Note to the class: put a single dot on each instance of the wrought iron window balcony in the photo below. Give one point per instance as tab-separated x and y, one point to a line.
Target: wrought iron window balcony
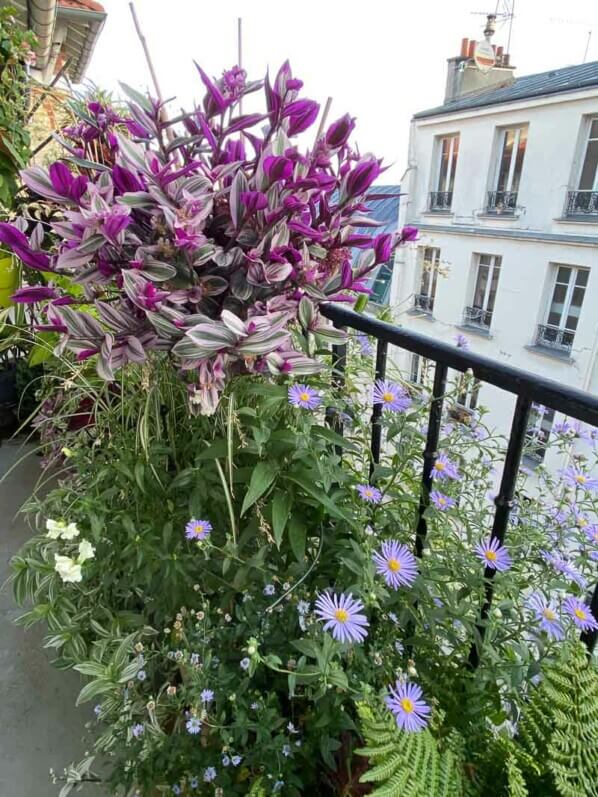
528	388
582	203
441	201
477	317
501	202
549	337
423	303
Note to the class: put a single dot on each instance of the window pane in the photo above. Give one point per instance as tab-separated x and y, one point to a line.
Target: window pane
454	163
444	164
589	172
480	288
594	129
505	160
563	275
493	287
582	277
519	160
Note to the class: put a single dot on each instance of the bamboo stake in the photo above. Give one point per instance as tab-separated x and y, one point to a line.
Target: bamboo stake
150	63
323	120
240	55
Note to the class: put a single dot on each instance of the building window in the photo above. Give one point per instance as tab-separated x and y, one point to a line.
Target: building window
538	432
479	314
430	261
503	199
448	152
584	201
421	370
564	309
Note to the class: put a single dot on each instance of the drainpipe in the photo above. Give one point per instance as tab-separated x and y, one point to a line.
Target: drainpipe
41	17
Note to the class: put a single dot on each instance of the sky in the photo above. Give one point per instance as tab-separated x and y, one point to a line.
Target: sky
380	60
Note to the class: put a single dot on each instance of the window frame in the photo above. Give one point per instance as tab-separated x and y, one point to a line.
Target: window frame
452	161
502	134
589	122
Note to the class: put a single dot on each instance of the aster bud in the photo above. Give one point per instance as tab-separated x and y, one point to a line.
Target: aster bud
171	691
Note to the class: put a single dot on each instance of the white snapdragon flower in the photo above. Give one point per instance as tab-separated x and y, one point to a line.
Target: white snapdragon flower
58	529
86	551
68	570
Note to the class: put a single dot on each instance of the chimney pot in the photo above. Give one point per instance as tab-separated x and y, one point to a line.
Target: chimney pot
471	49
464	47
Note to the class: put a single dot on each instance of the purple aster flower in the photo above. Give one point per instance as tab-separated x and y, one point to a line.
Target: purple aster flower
207	696
391	396
406	704
141	675
591	532
176	789
97	710
286	750
546	615
197	529
575	477
269	589
209	774
443	468
194	782
396	563
138	729
236	759
493	555
440	501
365	346
461	342
370	494
225	761
303	396
244	663
565	568
343	615
193	726
581	614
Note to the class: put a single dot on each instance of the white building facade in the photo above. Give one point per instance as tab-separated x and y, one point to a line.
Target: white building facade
502	183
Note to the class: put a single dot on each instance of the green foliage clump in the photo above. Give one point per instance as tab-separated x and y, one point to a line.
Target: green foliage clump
410	764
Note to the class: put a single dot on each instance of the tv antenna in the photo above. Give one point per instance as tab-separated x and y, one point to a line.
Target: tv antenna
505	12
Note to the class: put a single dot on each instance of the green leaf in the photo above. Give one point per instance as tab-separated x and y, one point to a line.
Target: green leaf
93	688
297	537
320	496
262	477
333	437
281	507
93	668
137	97
217	450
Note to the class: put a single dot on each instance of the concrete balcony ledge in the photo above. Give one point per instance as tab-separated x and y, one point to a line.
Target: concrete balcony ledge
483	333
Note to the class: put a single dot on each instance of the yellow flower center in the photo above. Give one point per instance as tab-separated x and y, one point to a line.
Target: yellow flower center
388	397
582	522
440	466
580	614
341	615
199	529
369	493
442	501
490	556
304	396
580	478
394	565
549	614
407	705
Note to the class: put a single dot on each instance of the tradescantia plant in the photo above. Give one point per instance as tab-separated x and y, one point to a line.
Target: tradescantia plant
215	243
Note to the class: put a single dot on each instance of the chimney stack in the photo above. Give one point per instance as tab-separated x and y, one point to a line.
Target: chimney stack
464	75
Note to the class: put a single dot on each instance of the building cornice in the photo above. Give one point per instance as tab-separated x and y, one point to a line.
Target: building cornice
517	235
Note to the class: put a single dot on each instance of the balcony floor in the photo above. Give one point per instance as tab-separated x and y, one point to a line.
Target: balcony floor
40	728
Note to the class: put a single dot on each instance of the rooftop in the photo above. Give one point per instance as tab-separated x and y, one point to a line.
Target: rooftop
556	81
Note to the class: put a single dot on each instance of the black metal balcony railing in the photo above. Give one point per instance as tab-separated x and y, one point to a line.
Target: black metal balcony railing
423	302
527	387
477	317
582	203
554	338
502	202
441	200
